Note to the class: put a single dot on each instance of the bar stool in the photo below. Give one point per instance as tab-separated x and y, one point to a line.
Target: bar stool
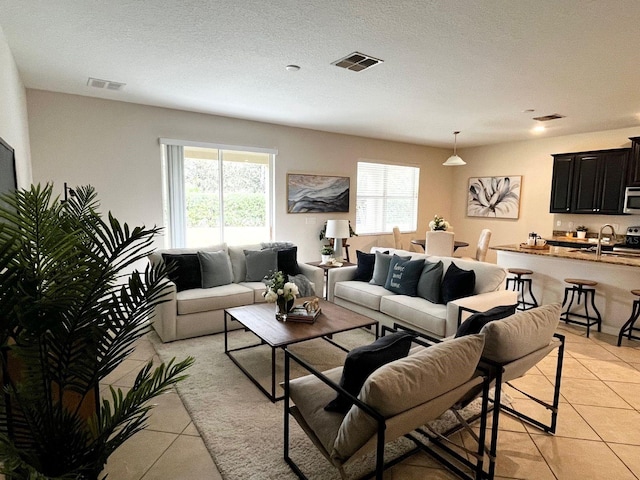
518	285
581	287
629	327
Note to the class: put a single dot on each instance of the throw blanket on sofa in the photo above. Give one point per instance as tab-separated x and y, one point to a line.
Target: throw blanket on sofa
304	285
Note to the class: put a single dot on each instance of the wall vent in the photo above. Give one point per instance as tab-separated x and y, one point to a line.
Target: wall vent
356	62
546	118
107	84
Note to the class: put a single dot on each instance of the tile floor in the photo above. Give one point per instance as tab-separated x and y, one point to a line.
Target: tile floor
598	433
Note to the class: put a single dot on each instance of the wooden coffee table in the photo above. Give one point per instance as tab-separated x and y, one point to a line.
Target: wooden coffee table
260	319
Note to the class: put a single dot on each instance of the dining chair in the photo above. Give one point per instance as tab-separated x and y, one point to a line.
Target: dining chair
397	238
483	246
439	243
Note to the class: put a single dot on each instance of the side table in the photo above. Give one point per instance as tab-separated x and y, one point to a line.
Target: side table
326	269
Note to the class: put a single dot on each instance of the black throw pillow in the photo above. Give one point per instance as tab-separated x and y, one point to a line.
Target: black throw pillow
288	261
364	269
186	273
457	283
363	361
475	322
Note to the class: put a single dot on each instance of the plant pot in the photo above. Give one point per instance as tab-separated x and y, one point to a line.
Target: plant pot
581	234
282	308
326	258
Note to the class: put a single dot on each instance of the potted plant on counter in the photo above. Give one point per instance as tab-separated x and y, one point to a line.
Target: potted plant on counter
581	231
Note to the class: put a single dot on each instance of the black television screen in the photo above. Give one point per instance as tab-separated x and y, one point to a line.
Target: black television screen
8	180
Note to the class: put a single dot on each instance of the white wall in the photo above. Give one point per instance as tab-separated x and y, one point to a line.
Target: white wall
114	146
13	113
531	159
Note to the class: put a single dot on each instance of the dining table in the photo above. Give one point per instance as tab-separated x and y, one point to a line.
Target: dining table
456	243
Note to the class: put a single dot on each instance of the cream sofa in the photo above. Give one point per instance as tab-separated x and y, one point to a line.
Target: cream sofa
200	311
437	320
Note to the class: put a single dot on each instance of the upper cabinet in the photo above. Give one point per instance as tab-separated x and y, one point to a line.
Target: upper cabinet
633	180
561	184
589	182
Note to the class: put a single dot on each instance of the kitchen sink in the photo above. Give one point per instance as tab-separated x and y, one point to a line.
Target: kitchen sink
607	253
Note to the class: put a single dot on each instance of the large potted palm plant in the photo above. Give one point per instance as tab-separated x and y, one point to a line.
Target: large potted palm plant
72	305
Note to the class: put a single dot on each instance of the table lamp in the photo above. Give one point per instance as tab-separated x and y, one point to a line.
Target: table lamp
337	229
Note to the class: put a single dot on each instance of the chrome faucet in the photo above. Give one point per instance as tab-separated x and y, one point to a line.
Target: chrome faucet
599	247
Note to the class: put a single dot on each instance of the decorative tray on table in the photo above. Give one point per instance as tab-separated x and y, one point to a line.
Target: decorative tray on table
534	247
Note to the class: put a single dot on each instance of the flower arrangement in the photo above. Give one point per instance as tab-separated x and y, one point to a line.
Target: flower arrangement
439	223
279	289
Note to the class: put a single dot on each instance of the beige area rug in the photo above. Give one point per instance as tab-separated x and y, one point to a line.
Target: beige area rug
241	428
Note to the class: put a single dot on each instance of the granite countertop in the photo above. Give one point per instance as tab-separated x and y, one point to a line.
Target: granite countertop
572	254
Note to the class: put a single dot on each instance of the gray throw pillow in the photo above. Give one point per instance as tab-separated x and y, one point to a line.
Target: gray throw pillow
430	280
404	275
260	263
216	268
381	268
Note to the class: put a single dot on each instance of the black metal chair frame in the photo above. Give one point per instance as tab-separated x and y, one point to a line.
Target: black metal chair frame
496	375
629	327
587	320
475	467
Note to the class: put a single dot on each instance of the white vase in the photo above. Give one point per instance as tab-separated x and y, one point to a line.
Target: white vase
581	234
326	258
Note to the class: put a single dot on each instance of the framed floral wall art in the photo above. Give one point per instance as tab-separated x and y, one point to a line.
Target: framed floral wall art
317	193
496	197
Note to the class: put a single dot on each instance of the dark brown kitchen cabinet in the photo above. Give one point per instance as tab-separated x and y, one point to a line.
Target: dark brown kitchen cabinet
562	183
633	179
589	182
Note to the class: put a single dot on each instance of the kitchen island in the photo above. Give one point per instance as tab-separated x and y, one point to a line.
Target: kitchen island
616	276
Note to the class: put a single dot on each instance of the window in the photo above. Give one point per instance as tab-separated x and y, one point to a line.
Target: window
216	195
387	196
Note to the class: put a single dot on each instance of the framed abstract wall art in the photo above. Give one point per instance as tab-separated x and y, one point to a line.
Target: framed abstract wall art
495	197
317	193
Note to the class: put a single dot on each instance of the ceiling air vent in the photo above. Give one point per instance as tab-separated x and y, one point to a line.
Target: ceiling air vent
109	85
357	62
546	118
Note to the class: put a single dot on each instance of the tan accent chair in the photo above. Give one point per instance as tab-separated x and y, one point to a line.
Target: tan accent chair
395	400
513	346
397	238
439	243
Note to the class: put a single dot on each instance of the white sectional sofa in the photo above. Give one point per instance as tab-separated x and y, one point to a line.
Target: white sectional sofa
200	311
415	312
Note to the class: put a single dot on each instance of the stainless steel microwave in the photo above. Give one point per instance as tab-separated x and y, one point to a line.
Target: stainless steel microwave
632	200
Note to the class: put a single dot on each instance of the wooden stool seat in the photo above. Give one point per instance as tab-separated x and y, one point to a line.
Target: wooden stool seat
580	287
579	281
520	271
629	327
522	286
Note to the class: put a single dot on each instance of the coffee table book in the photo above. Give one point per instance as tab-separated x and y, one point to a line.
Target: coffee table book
300	314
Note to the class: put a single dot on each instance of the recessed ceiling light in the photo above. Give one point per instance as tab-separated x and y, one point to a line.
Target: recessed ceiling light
292	68
538	129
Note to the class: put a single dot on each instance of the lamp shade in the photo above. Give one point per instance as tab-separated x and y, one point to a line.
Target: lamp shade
454	161
337	229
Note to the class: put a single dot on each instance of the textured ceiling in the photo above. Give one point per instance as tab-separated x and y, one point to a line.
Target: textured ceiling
465	65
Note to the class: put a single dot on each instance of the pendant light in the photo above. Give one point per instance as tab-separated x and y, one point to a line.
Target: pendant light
454	160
